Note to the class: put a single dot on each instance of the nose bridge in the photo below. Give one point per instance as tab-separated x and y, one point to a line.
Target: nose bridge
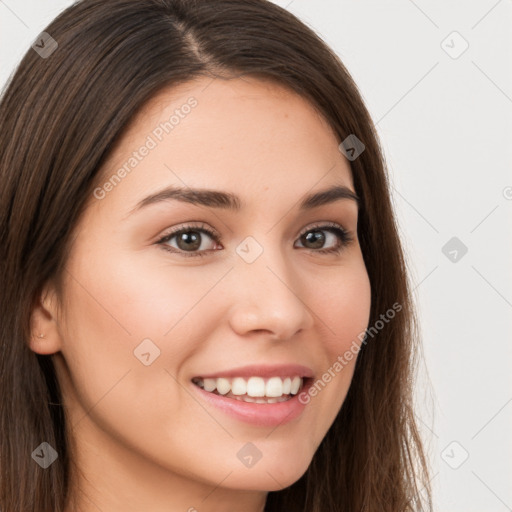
268	291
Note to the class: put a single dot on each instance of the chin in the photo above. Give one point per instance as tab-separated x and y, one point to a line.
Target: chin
272	477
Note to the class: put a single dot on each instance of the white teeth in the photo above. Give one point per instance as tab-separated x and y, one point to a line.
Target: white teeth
295	385
254	388
274	387
261	400
238	386
223	386
287	386
210	384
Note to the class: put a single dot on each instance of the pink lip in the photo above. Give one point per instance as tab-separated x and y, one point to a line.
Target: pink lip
281	370
263	415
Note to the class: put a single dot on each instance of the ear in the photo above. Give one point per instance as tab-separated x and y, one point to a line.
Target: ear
44	333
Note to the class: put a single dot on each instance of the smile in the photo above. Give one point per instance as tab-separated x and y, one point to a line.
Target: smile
253	389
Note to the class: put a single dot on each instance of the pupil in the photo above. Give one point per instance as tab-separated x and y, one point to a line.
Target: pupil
191	240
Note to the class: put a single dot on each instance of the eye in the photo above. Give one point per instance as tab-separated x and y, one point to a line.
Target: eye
315	237
189	239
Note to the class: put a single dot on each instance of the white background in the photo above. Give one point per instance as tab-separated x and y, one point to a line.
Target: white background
445	125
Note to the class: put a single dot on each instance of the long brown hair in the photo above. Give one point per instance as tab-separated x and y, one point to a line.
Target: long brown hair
60	117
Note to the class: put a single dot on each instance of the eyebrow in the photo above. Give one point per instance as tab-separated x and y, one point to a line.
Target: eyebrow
229	201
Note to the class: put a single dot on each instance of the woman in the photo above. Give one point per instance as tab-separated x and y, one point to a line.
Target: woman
205	303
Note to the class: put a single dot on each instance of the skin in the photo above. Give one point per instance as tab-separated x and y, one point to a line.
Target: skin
142	441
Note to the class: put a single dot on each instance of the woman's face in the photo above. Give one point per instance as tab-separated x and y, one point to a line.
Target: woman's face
144	312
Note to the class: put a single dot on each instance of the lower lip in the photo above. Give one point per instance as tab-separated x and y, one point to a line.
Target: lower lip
263	415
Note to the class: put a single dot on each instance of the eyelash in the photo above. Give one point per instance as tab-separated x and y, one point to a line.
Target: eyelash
344	235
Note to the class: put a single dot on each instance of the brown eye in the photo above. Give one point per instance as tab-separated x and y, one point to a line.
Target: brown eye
190	241
313	239
317	237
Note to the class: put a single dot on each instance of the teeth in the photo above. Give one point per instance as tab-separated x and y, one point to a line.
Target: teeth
210	384
274	387
287	386
223	386
239	386
296	382
254	388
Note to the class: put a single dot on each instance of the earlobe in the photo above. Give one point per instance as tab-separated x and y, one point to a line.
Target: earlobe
44	333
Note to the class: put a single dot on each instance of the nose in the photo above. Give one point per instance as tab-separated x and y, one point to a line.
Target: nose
269	297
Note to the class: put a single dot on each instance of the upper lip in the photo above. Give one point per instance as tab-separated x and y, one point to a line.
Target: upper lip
276	370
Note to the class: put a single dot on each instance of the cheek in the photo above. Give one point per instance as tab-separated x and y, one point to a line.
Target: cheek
107	385
136	297
343	313
143	407
120	315
343	309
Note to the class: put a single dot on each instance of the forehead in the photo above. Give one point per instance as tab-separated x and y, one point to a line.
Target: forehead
245	134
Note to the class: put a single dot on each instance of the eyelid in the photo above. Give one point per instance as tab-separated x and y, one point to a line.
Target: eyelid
189	226
323	225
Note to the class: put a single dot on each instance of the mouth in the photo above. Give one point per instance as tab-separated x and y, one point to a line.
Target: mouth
254	389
